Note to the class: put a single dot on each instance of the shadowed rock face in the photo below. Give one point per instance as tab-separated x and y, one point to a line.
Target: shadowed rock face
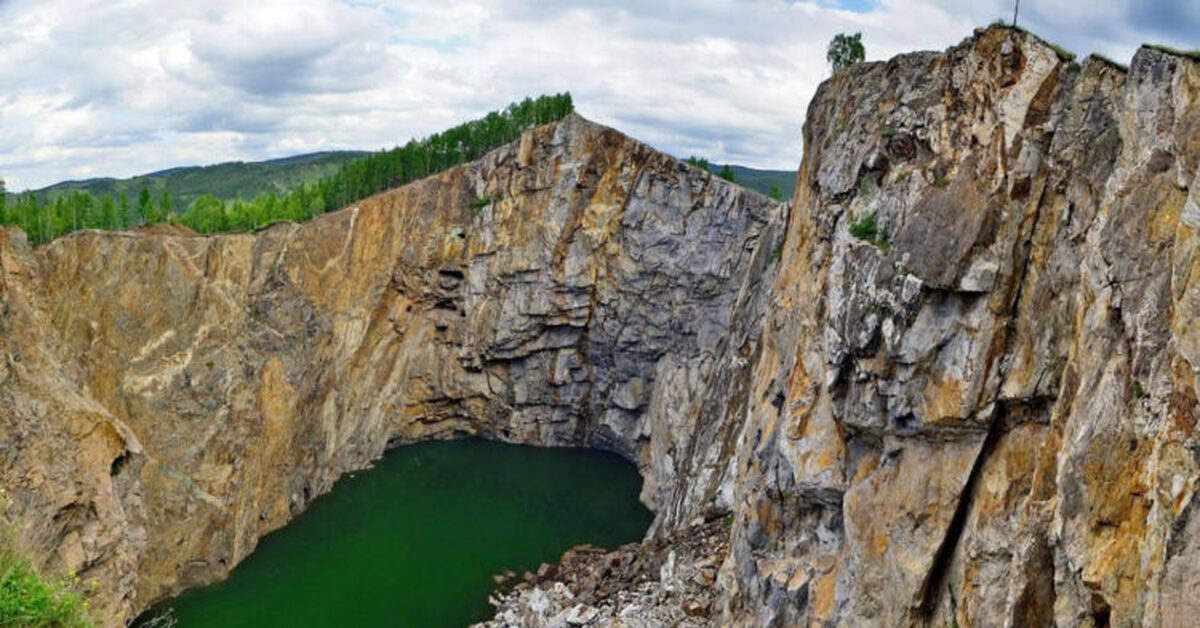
981	414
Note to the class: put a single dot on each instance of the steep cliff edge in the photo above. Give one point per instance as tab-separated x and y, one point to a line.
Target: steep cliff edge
973	400
170	399
955	384
990	418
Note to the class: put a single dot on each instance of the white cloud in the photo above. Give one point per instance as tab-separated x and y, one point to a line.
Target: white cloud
105	87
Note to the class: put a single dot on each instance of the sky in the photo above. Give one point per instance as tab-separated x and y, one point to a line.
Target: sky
93	88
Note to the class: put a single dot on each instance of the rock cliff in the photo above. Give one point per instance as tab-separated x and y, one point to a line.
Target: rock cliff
953	384
168	399
972	401
984	413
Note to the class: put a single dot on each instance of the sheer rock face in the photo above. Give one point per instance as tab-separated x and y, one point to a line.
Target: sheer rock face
988	419
981	412
169	400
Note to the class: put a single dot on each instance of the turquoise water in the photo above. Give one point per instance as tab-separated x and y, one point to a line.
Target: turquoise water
415	540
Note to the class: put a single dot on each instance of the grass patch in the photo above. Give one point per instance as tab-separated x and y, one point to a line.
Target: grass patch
28	600
1063	53
480	202
903	177
941	181
868	229
1138	391
1190	54
1120	66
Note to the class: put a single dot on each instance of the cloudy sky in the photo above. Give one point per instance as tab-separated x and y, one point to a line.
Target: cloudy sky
121	87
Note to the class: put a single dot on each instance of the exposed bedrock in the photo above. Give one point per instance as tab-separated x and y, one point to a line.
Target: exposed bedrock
953	384
168	399
987	409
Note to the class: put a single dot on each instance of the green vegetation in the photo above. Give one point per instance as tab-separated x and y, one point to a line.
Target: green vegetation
226	181
1138	391
845	50
941	181
47	217
1191	54
1063	53
867	228
766	181
480	202
777	184
29	601
727	173
1119	66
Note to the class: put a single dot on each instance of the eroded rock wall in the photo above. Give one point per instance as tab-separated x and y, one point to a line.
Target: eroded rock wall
988	401
973	398
172	398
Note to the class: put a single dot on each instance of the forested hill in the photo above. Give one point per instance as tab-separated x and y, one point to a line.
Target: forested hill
45	218
778	184
225	181
241	196
764	181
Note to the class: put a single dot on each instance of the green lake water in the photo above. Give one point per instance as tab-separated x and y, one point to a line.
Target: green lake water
415	540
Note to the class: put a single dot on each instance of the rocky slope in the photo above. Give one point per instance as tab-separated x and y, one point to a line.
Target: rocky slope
953	385
973	400
988	419
168	399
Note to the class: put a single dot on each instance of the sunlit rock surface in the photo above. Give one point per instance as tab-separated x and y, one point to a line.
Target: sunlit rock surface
981	412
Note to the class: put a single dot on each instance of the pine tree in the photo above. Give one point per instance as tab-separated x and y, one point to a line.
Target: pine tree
164	206
145	207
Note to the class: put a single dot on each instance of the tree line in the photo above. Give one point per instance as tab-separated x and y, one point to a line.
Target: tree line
43	220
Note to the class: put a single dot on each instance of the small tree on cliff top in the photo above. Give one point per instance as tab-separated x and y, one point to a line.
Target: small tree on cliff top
845	50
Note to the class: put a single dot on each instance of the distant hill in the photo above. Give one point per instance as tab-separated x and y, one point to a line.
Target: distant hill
763	180
226	181
769	182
